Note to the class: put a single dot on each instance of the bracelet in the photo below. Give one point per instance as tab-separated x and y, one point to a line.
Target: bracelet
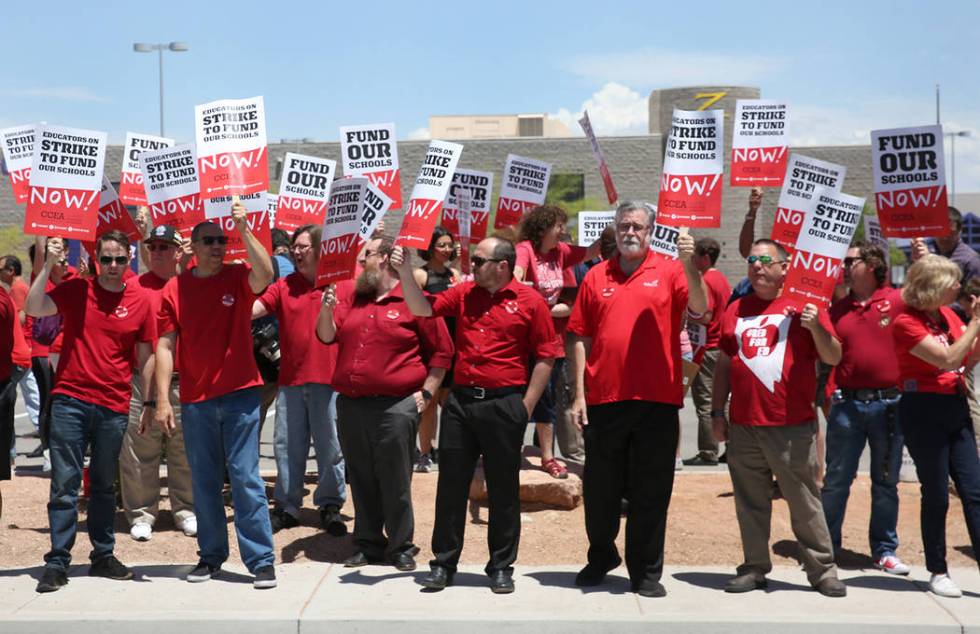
426	394
750	217
717	413
152	403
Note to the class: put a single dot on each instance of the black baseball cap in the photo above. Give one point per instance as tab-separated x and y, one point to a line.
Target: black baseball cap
164	233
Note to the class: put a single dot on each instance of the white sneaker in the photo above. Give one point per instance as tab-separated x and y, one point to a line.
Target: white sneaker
944	587
189	526
141	531
907	473
46	467
892	565
678	464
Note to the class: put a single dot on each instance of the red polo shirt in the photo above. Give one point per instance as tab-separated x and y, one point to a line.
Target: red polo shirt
916	375
304	358
635	325
773	370
384	350
8	336
499	335
212	317
865	334
101	328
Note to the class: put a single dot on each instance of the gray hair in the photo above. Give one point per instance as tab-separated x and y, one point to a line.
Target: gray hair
636	205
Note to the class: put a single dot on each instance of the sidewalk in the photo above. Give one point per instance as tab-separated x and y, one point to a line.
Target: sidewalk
327	598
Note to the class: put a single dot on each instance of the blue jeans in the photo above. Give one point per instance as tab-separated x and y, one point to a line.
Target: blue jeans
850	425
302	412
220	432
75	425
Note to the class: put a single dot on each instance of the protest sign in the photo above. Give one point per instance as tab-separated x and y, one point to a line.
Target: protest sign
910	181
429	194
759	143
231	147
218	210
690	186
131	190
113	217
815	266
304	191
18	152
373	209
663	240
464	217
339	239
66	179
172	188
804	176
873	235
371	150
479	185
272	205
525	185
607	181
591	224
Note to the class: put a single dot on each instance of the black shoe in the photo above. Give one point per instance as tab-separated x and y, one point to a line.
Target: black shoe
438	578
501	582
700	461
331	521
37	452
723	458
592	575
280	519
653	589
52	580
265	577
746	583
110	568
359	559
832	587
403	561
203	571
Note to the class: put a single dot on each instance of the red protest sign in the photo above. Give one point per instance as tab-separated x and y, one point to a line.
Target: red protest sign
18	152
524	186
428	194
607	181
759	143
690	186
66	179
304	191
341	227
231	147
479	186
172	187
910	181
371	150
113	217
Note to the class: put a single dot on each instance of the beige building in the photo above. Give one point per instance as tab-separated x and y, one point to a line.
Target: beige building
496	126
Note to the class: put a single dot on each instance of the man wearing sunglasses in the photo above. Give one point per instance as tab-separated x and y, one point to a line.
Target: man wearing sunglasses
205	318
144	445
501	325
104	320
627	325
768	365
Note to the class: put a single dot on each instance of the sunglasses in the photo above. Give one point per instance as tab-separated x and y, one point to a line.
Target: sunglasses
160	246
210	240
849	262
106	260
478	261
765	260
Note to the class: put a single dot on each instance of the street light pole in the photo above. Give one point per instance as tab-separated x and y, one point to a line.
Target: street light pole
176	47
952	156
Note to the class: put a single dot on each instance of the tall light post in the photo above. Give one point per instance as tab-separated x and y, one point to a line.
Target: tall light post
952	155
176	47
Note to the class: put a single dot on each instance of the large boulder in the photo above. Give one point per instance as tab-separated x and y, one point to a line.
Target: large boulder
537	487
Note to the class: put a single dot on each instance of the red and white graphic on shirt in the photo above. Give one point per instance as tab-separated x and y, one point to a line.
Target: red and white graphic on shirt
231	147
910	181
762	346
690	185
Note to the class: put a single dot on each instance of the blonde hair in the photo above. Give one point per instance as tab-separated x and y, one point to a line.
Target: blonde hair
928	280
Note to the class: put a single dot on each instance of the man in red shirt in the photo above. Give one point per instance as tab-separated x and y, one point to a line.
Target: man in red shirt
8	389
139	462
389	364
206	315
768	365
706	333
104	320
864	408
306	406
10	278
501	325
628	389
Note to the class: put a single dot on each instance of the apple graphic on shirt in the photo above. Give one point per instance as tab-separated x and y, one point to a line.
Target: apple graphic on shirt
759	341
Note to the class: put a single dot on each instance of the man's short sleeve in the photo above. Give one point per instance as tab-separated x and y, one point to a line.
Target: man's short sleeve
167	318
448	302
544	342
435	343
582	321
272	296
728	343
148	329
678	286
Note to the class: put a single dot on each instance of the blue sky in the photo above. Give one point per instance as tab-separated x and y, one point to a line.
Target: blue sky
846	67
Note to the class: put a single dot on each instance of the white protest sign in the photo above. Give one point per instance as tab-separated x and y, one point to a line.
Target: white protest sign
873	235
304	190
760	141
804	177
338	241
231	147
371	150
373	208
131	190
910	181
172	187
429	194
524	185
690	186
479	186
591	224
221	206
18	152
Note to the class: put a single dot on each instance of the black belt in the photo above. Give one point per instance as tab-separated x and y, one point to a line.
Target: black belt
475	393
869	394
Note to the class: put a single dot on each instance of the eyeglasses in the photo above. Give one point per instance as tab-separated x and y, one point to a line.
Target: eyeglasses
478	261
160	246
849	262
301	247
209	240
764	260
106	260
624	227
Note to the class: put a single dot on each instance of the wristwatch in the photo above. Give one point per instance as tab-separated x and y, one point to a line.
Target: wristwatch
426	394
151	403
715	413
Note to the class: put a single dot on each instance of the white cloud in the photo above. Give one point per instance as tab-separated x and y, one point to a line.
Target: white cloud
419	134
614	109
663	68
60	93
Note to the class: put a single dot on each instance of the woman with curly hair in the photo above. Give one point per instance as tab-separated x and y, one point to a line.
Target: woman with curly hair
542	261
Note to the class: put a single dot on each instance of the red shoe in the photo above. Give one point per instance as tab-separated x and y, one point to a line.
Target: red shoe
554	469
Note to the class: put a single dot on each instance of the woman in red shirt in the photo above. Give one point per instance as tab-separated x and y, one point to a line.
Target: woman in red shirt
934	348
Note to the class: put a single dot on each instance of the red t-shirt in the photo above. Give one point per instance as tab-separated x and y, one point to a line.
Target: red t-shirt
304	358
773	370
100	330
549	276
498	336
635	325
865	334
8	332
212	317
916	375
384	350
